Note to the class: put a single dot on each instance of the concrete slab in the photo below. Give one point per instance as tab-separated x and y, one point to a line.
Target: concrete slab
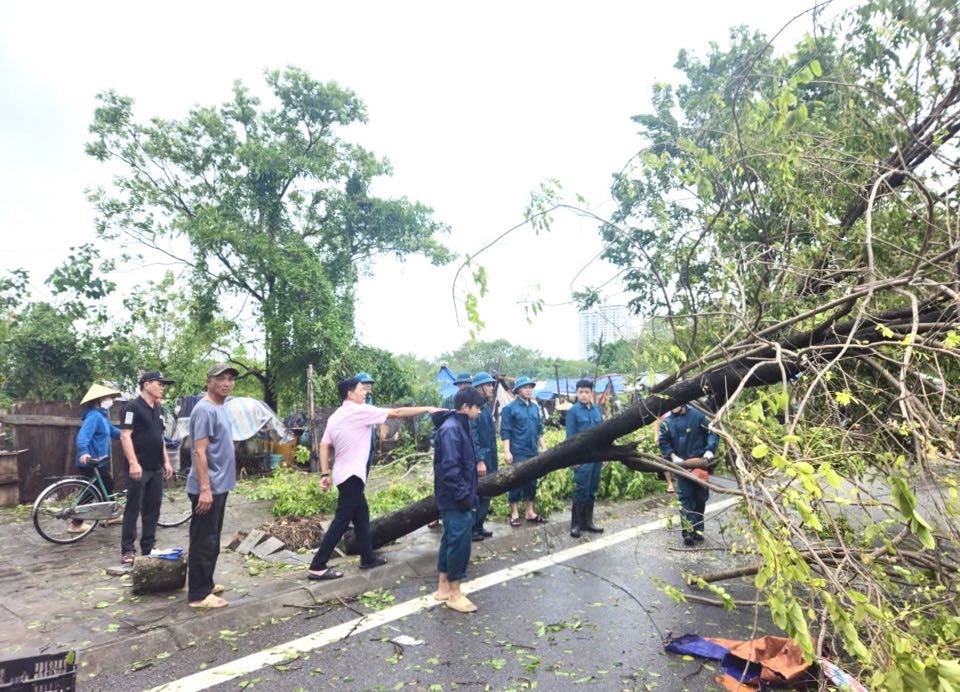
267	547
288	557
251	541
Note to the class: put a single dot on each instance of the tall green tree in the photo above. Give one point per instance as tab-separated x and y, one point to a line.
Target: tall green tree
274	206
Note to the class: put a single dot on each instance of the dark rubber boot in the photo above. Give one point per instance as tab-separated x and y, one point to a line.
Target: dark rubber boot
576	516
587	522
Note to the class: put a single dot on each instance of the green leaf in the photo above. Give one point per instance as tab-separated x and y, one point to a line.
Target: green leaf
760	451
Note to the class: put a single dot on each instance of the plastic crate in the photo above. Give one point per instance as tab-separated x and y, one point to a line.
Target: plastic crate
43	673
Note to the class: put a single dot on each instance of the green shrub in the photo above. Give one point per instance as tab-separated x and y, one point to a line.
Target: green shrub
297	493
294	493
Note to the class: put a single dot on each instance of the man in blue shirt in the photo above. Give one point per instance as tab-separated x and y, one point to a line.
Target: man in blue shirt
521	429
586	477
486	442
687	441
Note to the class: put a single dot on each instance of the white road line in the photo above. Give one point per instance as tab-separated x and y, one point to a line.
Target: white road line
284	652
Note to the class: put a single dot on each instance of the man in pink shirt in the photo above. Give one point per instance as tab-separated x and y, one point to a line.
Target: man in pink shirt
348	434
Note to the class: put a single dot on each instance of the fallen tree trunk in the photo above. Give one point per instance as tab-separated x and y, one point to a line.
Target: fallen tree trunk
157	575
766	364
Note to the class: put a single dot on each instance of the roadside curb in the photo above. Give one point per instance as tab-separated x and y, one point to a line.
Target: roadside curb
294	592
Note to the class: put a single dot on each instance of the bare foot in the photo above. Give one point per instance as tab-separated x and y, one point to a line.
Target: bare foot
439	595
461	604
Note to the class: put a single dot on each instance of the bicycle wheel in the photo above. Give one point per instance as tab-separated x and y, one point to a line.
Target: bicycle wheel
52	511
175	506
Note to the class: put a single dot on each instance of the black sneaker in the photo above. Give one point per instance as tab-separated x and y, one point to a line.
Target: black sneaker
687	541
486	533
698	536
476	537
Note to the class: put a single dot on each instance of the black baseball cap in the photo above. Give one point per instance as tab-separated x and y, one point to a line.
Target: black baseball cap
151	375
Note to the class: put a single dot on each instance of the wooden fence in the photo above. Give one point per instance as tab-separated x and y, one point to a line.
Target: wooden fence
48	431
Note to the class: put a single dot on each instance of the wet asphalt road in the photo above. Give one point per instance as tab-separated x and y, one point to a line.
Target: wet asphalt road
597	620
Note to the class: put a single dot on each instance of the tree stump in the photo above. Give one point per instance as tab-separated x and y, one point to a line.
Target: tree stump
155	575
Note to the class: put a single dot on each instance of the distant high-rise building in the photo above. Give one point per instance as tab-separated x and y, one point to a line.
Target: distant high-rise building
611	322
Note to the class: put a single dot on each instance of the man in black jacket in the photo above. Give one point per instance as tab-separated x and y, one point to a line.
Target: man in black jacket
455	490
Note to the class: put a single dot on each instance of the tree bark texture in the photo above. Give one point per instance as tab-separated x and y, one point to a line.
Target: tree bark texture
156	575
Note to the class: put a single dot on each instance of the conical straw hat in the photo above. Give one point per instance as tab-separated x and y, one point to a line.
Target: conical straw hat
98	391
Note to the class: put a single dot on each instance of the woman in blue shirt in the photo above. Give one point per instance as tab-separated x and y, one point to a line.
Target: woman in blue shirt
93	441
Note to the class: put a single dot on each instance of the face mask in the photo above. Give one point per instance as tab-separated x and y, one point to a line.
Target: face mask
106	403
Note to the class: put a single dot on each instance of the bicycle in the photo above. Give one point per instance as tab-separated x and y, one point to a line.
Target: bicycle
87	500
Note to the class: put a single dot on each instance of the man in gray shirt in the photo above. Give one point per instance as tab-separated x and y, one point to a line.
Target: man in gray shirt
213	475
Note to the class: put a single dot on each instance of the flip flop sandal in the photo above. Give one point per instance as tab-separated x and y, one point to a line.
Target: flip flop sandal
218	589
326	575
515	522
537	520
377	562
461	604
209	602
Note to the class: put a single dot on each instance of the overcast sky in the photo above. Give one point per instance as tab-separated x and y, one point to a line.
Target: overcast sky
475	105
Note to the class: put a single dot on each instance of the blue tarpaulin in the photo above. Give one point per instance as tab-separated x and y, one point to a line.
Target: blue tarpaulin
568	385
445	380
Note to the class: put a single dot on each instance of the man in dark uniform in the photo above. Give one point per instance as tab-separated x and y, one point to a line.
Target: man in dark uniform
521	429
586	477
367	381
141	437
486	444
687	441
463	381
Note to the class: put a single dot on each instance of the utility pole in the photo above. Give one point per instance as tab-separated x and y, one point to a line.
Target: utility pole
312	426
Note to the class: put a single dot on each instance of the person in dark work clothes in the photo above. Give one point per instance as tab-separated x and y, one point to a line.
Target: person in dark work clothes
213	474
687	441
486	442
455	491
521	429
141	437
586	477
462	381
368	383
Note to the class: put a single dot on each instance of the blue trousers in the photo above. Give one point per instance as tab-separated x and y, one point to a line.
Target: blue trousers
524	492
586	481
693	502
454	553
483	510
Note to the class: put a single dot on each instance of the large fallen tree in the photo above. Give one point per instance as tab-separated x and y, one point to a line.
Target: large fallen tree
769	365
792	219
